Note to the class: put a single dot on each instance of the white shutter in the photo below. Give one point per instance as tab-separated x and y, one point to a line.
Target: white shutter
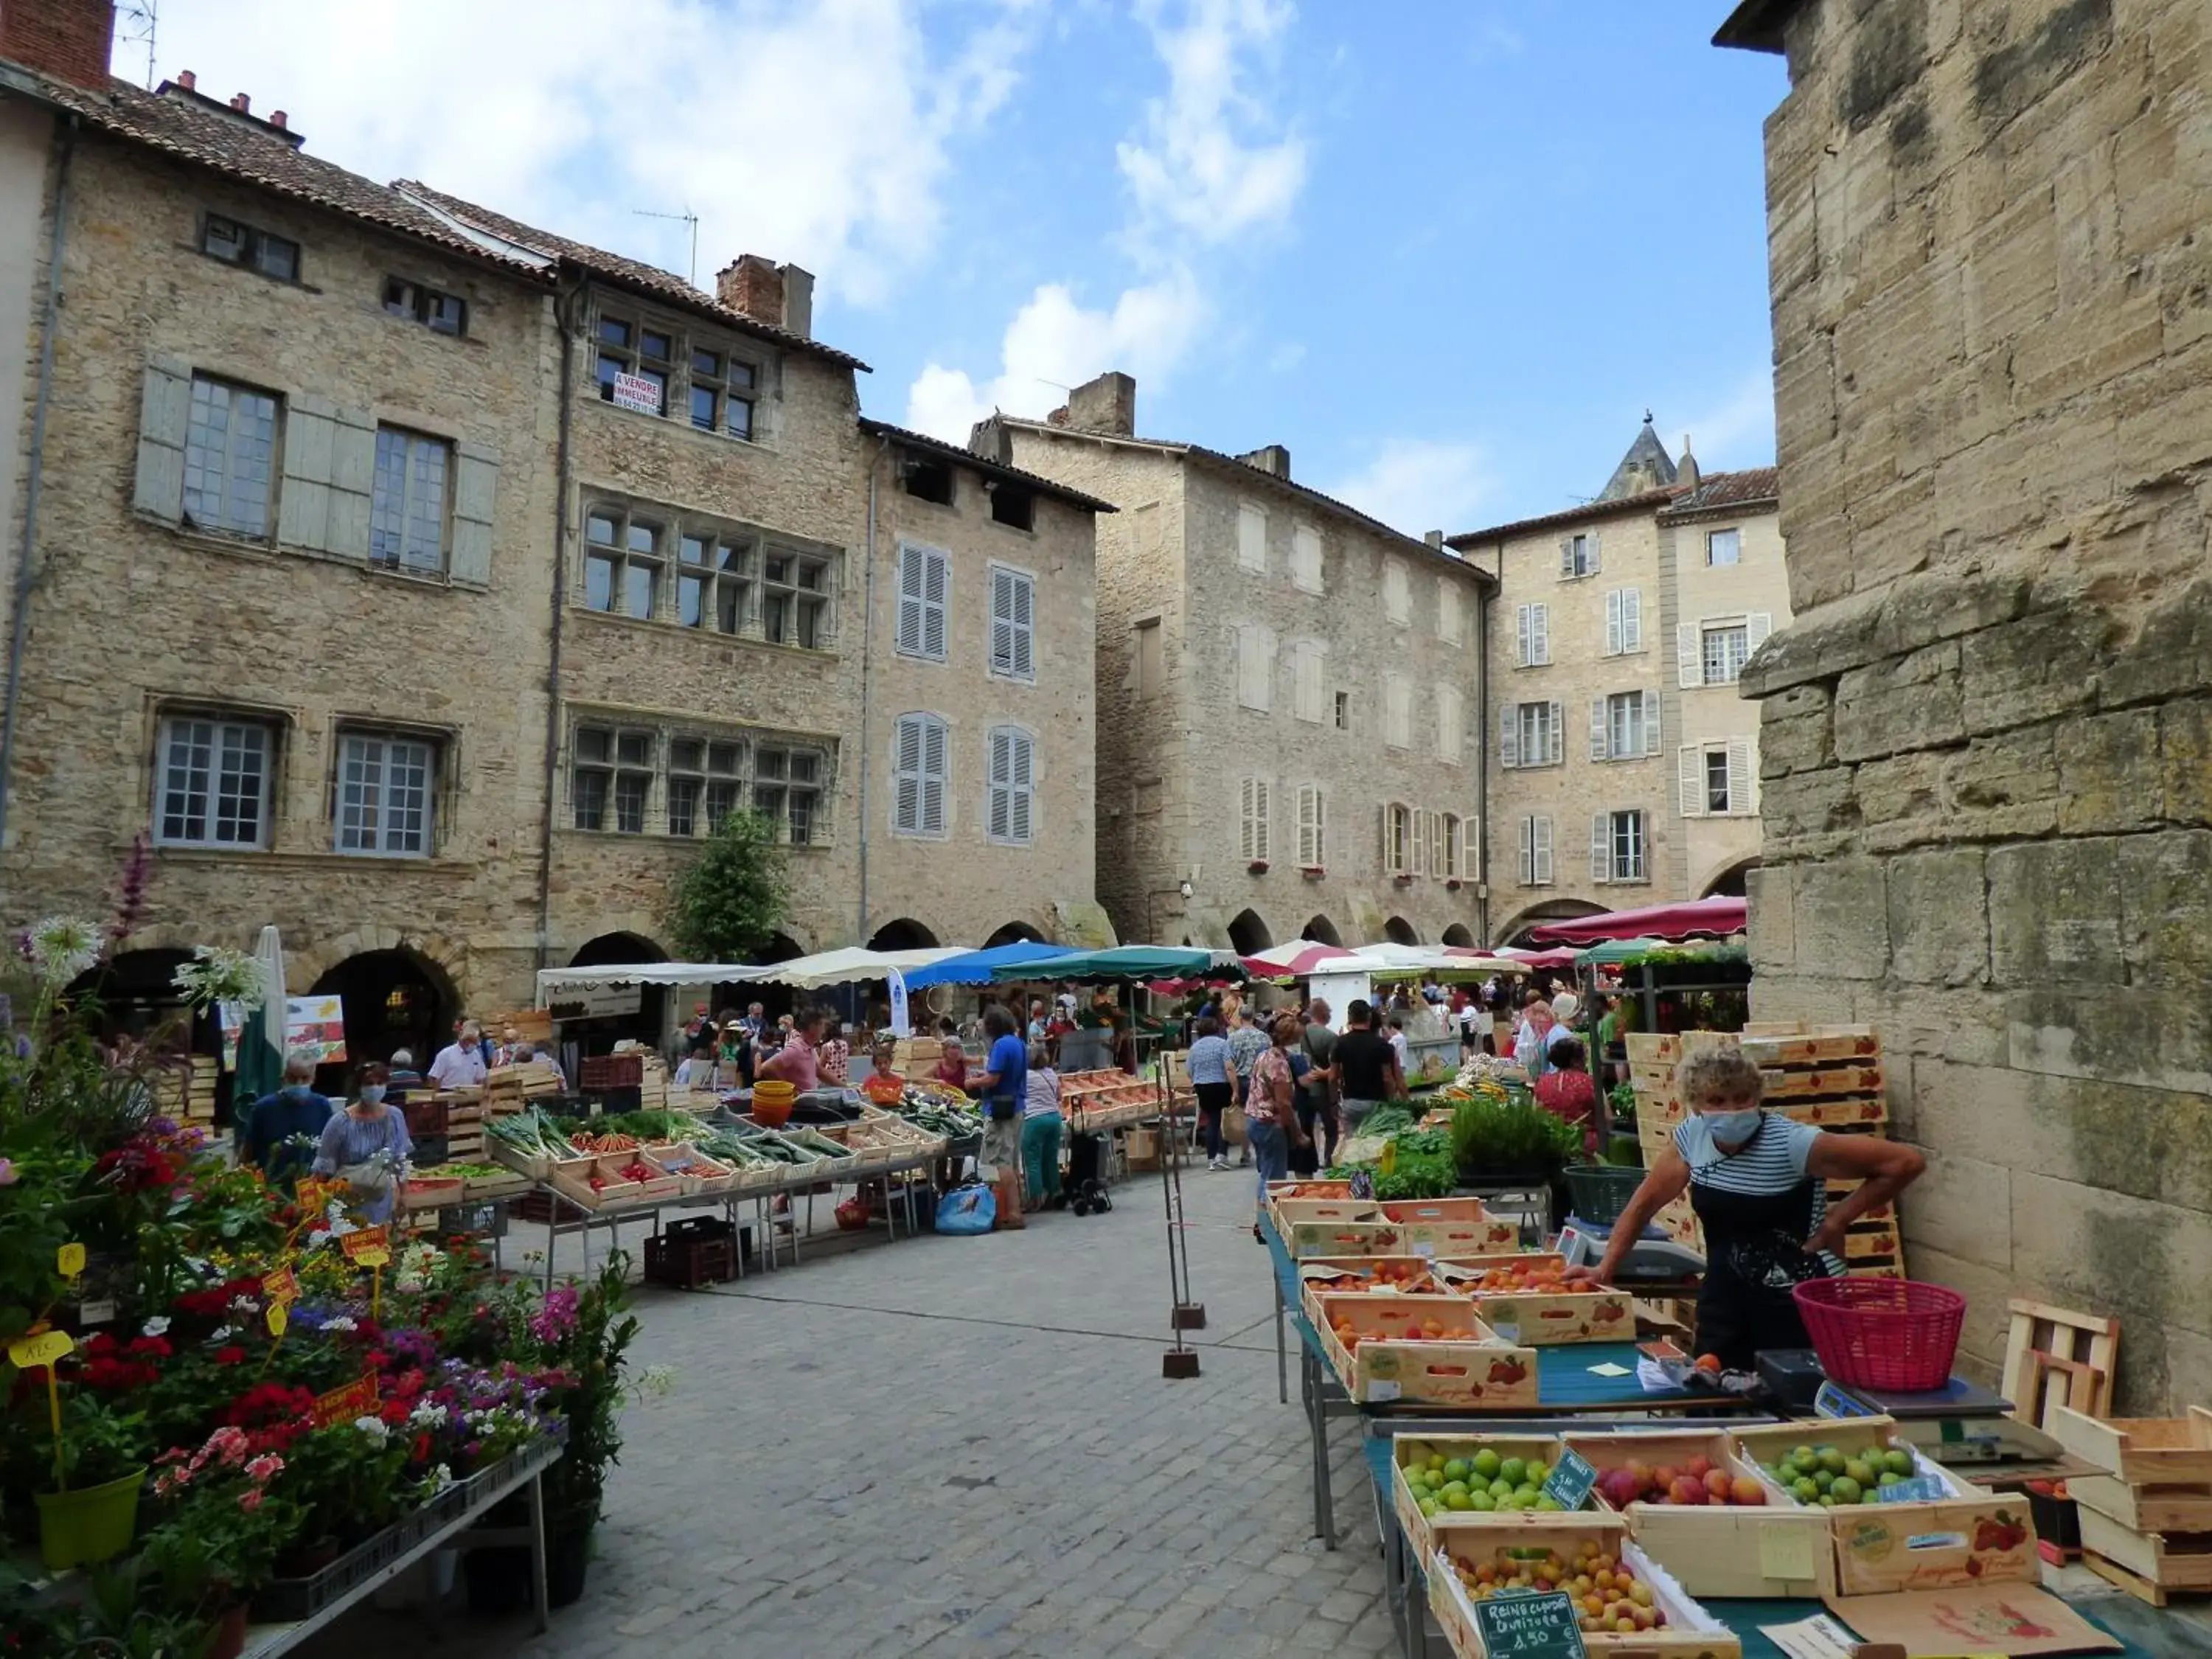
1025	629
1439	851
1555	737
1542	843
1251	538
1264	838
1690	780
998	805
1740	776
910	601
1652	723
1566	557
1541	633
1252	836
475	489
934	769
165	419
1509	735
1305	557
1255	665
1632	619
1756	627
1527	852
936	593
1002	621
1601	847
1613	622
1595	565
1417	861
1601	738
1689	654
906	775
1397	711
1306	697
1023	750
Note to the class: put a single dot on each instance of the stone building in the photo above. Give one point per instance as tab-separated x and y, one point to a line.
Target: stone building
1987	738
1623	765
1288	695
430	585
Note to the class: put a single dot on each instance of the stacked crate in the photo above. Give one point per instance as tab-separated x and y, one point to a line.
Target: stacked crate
2147	1520
464	1116
1652	1057
915	1058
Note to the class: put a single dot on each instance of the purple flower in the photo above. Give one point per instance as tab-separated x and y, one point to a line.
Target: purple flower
162	1127
7	1175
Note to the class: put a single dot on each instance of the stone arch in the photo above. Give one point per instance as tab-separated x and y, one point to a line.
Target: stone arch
613	949
650	1023
1322	931
1014	933
1515	930
1249	933
394	998
1399	931
1728	881
307	960
903	934
1459	934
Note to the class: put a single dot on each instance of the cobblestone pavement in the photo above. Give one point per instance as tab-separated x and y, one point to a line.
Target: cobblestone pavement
963	1447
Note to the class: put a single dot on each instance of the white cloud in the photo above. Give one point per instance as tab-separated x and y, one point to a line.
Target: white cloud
1738	431
812	130
1194	170
1054	342
1421	484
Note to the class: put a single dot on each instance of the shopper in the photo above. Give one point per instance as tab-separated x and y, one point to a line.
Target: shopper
460	1063
836	1057
1317	1090
798	1061
404	1077
697	1071
1212	1078
551	1061
1040	1130
1003	1089
1568	1092
275	1122
1246	1044
1271	1116
1529	1041
951	1061
367	1146
1400	1046
1366	1068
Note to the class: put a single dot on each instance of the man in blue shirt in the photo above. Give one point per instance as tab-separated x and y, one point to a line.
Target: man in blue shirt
1001	1089
295	1109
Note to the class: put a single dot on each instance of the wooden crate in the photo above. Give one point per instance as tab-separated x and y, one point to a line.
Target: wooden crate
1654	1048
1371	1275
2152	1564
1332	1238
2151	1450
1541	1318
1407	1449
1691	1632
1466	1366
1420	1211
1713	1548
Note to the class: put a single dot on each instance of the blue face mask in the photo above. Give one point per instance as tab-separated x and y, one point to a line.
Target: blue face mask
371	1093
1730	1128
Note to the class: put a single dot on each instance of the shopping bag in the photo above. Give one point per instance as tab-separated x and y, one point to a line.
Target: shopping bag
1007	1190
1232	1126
969	1209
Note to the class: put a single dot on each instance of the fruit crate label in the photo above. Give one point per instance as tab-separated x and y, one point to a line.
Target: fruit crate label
1530	1627
1569	1481
1920	1489
1381	1394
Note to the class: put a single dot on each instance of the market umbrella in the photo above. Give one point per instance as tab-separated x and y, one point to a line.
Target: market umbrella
1707	918
1123	962
1294	959
1624	952
261	1044
975	967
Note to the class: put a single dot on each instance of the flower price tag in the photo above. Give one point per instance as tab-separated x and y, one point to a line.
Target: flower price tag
281	1284
278	1317
29	1352
69	1261
315	1196
356	1399
368	1247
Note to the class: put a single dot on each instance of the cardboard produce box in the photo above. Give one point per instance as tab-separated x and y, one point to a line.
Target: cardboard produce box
1690	1631
1407	1449
1424	1348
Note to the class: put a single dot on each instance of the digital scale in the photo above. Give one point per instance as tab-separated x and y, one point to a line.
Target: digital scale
1655	1259
1960	1424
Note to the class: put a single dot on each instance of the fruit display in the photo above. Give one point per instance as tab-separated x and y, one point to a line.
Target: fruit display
1831	1477
1419	1348
1695	1482
1541	1271
1609	1596
1370	1273
1484	1484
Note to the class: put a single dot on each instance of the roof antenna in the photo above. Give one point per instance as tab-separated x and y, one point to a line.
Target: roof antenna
135	21
687	218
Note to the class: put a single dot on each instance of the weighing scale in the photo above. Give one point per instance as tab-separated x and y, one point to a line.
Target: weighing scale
1959	1423
1654	1260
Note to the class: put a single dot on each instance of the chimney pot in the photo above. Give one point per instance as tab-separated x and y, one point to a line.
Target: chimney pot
188	81
1274	460
242	104
276	119
1435	538
68	39
1108	404
798	300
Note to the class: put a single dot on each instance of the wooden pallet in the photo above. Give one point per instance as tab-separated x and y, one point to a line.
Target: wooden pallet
2054	1357
2134	1584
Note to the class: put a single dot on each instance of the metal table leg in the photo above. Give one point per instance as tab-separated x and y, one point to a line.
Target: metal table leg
1282	1350
538	1553
1310	1387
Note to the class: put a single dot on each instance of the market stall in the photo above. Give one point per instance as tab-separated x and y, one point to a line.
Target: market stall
1671	986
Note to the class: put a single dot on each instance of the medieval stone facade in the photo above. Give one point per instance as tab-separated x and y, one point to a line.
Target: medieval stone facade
1987	739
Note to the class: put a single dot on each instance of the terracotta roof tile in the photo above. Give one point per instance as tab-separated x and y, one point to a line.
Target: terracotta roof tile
1719	489
1648	501
986	465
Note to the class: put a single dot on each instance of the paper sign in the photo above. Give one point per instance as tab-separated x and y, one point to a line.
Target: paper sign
636	391
1381	1394
1507	1330
1569	1481
368	1247
356	1399
1787	1552
281	1284
278	1318
1920	1489
1608	1368
1817	1637
315	1195
43	1349
69	1261
1527	1626
316	1023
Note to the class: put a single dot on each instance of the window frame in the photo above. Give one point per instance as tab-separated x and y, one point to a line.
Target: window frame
1707	632
1018	783
920	775
413	302
1552	726
1735	533
271	463
1312	827
448	456
622	553
1255	816
1397	838
220	721
1532	635
432	785
1629	845
254	244
1019	634
802	599
1580	555
679	371
716	575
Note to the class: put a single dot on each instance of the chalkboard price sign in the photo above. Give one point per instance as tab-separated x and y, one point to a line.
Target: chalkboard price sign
1569	1481
1529	1627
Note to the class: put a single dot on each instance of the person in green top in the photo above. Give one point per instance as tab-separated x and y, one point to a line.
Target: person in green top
1611	1042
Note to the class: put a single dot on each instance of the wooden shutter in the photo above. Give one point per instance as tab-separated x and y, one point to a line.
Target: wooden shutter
1541	633
1601	736
1613	622
1525	635
933	768
906	775
1652	723
1756	627
165	419
1417	860
1024	628
1002	621
1595	565
998	804
1439	849
1247	820
1256	663
1632	619
1742	777
910	601
1690	780
1447	610
353	486
1543	849
1251	538
1601	846
476	493
1689	654
1310	826
936	593
1509	735
1527	852
1555	739
1566	557
1021	750
303	507
1305	557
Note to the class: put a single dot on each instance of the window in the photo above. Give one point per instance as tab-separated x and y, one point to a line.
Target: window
1012	506
1013	624
918	775
610	777
1723	546
795	598
1251	538
636	365
1010	813
1344	711
442	314
927	479
1448	623
1397	592
1305	558
407	508
1617	847
787	784
1713	651
1579	556
1532	635
723	388
1624	726
237	244
387	787
1252	820
1397	839
925	580
1397	711
1255	667
1451	730
1308	666
622	562
1313	827
1536	851
230	445
1716	779
705	784
213	782
1152	666
1458	865
1435	837
713	581
1623	621
1417	858
1531	734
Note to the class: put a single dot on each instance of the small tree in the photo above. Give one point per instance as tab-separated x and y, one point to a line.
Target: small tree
735	895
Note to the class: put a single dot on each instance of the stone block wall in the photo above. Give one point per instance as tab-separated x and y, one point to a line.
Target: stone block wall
1988	737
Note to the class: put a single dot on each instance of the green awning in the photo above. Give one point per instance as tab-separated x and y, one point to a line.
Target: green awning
1628	952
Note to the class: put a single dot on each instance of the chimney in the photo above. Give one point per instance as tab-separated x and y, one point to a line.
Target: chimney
188	81
1274	460
1435	538
68	39
276	119
1685	469
751	285
798	300
1107	405
241	103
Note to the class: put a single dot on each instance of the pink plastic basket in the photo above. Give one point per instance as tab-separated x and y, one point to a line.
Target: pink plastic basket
1898	1334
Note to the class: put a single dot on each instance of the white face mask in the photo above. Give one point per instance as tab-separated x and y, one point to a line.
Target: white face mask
1715	1135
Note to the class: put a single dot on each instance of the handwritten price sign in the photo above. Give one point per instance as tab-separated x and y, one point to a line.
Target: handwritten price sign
356	1399
69	1261
281	1284
29	1352
368	1247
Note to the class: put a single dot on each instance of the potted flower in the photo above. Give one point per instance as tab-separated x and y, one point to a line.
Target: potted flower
345	1480
225	1530
93	1514
1258	867
1312	871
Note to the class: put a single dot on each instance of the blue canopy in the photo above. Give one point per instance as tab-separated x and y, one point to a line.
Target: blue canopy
974	967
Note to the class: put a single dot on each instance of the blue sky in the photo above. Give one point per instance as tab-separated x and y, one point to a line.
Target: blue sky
1446	251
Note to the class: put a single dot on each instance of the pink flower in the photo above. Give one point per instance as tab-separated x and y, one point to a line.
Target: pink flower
266	1466
250	1500
7	1175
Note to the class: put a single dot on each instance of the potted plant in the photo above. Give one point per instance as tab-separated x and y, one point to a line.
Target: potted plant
345	1480
93	1514
1258	867
1312	871
223	1534
1510	1143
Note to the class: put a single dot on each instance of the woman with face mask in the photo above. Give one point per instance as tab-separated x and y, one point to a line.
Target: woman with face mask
367	1146
1758	1183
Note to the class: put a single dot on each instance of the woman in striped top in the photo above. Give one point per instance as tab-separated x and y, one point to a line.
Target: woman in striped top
1758	1183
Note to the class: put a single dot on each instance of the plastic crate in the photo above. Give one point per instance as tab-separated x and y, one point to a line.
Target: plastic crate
1601	1191
625	1071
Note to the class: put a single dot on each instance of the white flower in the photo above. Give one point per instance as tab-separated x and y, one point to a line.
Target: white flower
216	975
427	1416
374	1427
154	1326
318	1237
657	1380
61	948
245	1304
222	1333
340	1322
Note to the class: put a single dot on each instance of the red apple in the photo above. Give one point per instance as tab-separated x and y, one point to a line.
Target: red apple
1686	1491
1719	1484
1700	1466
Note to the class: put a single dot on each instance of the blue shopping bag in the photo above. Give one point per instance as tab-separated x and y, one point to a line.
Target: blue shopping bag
969	1209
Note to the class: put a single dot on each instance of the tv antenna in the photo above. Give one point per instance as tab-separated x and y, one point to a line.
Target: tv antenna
135	21
686	217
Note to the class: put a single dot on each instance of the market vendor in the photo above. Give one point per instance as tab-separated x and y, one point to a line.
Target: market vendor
1758	1183
798	1062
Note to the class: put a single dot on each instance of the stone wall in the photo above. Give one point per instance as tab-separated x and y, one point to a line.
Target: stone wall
1988	738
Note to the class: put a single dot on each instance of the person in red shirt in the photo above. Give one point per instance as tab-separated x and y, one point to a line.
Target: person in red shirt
952	1062
797	1062
1568	1092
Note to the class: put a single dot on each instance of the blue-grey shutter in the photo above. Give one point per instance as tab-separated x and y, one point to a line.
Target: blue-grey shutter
476	489
165	415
